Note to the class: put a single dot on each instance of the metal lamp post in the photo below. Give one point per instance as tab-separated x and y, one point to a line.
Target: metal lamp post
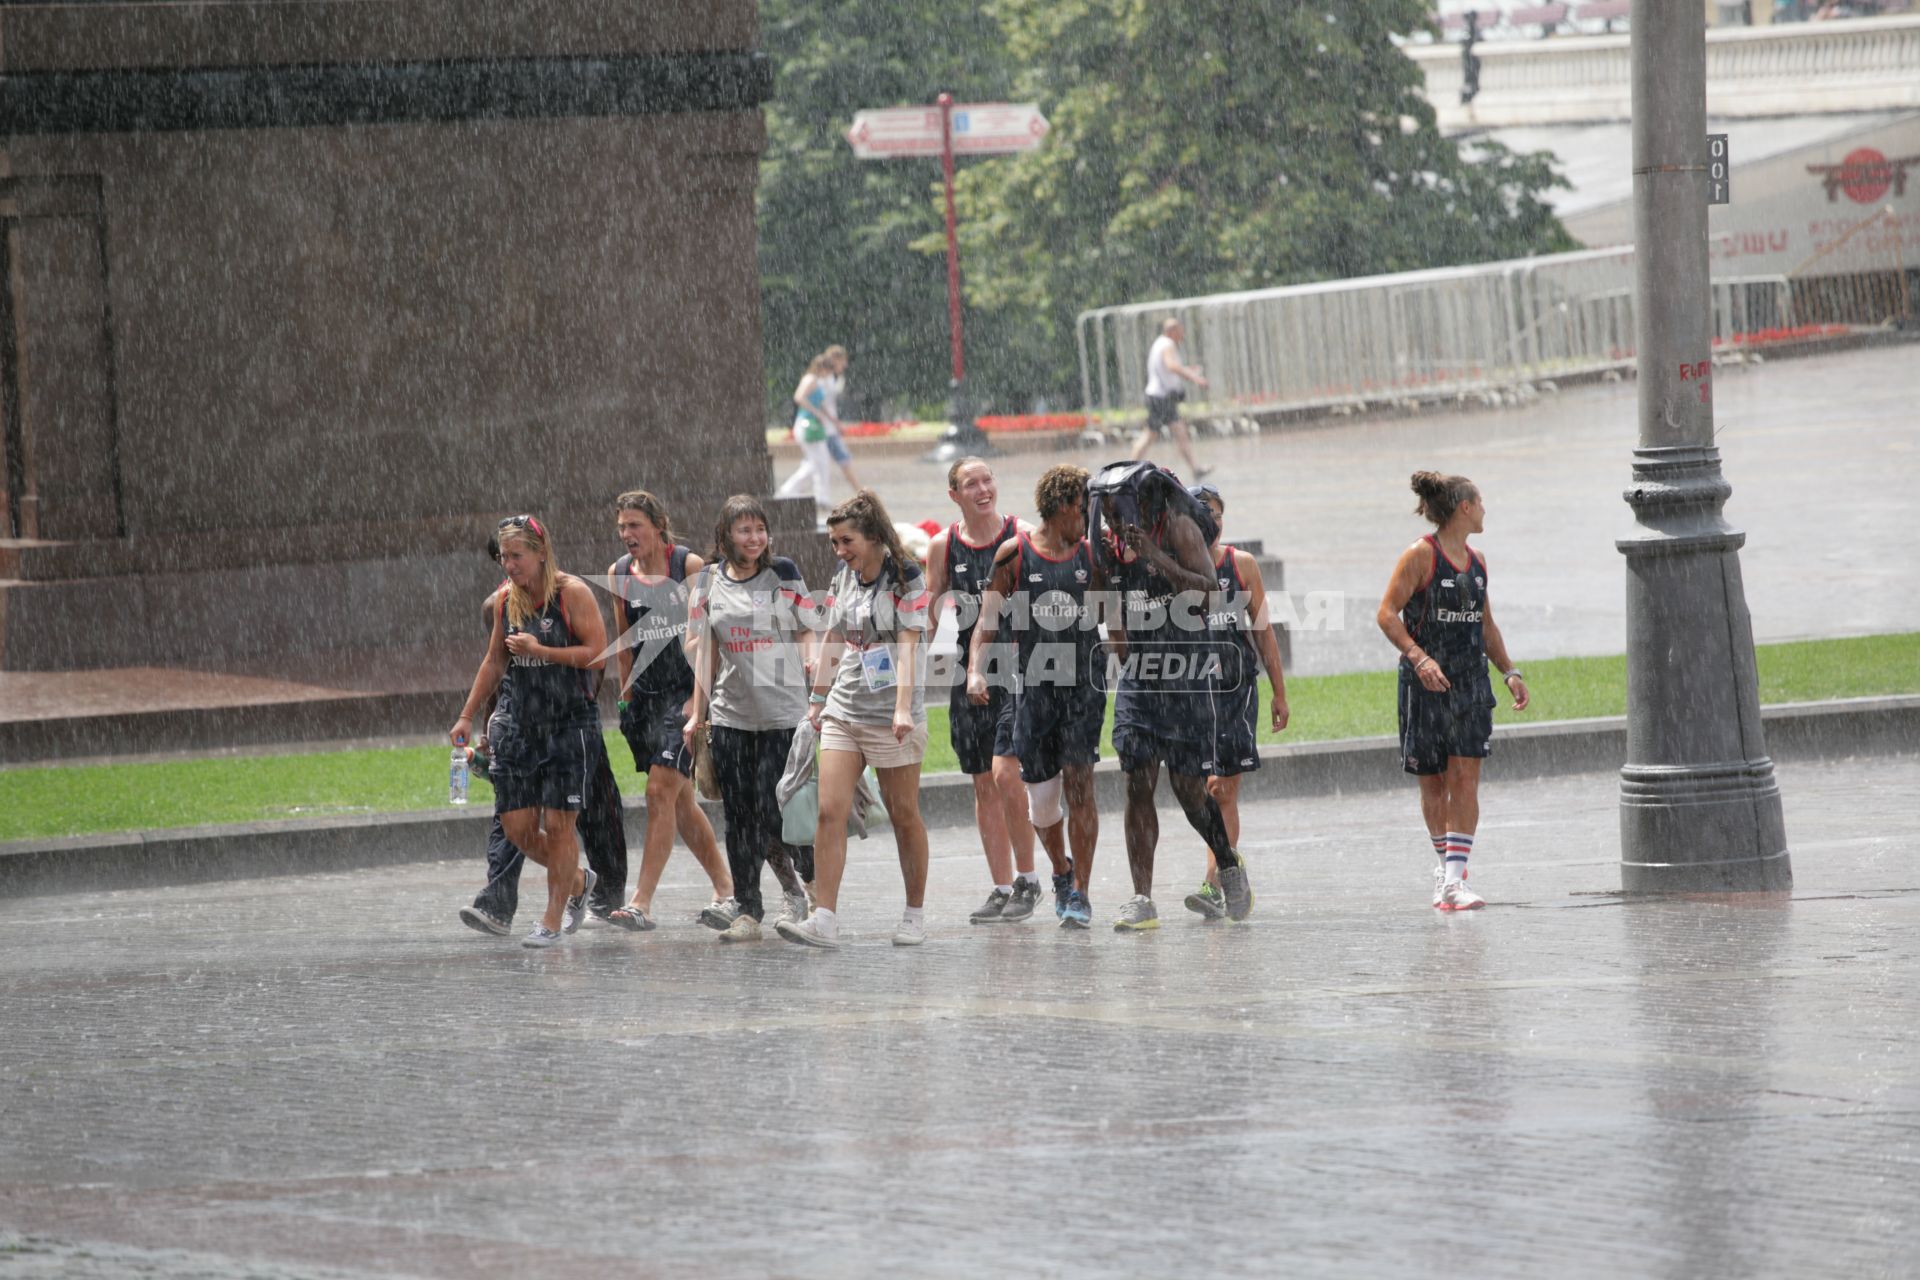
1699	805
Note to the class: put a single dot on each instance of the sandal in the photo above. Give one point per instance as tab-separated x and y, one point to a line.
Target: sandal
631	917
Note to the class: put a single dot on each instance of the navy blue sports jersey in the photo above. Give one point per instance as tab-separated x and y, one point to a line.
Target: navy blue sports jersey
546	695
1231	620
1053	628
969	569
1445	615
653	625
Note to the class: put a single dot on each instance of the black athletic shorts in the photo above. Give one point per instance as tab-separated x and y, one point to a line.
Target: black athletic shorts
979	733
1237	749
1175	729
547	769
654	726
1054	728
1163	412
1435	727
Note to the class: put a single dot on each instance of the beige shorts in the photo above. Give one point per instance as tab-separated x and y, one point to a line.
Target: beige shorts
874	742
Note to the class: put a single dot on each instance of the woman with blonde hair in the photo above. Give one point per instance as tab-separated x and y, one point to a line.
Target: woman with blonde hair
870	706
548	640
817	430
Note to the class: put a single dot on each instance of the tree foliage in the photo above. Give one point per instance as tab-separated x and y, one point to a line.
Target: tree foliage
1197	146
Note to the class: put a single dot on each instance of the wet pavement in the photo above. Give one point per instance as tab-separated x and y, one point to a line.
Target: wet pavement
1823	455
292	1076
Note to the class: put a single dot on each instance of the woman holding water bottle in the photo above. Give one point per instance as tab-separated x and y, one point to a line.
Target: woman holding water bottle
547	640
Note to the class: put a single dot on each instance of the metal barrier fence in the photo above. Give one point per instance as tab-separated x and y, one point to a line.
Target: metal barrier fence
1414	336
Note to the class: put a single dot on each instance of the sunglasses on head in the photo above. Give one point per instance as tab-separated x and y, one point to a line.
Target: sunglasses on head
524	522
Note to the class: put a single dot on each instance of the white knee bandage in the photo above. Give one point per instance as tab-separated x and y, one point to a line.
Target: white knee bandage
1043	802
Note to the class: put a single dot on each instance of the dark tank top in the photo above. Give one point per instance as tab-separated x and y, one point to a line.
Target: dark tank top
1444	615
547	696
969	568
1231	620
1057	641
1158	621
653	625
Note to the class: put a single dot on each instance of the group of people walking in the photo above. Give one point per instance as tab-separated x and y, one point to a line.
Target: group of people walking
779	692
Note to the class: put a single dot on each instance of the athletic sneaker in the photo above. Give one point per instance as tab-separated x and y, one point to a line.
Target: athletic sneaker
1078	913
796	908
720	913
1457	897
1439	883
1026	894
994	909
807	934
487	922
631	917
1237	892
577	905
911	933
1138	914
744	929
1207	902
1062	891
540	937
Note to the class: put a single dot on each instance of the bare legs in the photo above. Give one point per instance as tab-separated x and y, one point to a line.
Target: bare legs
546	836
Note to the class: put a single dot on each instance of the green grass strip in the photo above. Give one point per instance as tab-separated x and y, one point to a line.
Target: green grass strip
37	802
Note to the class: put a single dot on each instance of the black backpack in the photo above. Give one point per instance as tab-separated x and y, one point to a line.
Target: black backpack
1141	493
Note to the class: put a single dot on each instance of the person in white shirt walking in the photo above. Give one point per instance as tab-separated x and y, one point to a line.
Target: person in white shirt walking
818	431
1167	380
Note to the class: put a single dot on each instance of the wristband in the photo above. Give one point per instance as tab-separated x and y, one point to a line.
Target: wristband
817	699
622	704
1511	674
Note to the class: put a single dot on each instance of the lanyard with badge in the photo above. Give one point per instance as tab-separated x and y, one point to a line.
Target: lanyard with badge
876	663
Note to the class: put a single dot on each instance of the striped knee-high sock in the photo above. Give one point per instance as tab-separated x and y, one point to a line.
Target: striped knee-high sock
1439	847
1459	847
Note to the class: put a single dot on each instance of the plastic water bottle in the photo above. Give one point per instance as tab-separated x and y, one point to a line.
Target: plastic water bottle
457	777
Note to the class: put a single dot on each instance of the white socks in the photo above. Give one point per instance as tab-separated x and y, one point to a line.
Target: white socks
1459	846
826	922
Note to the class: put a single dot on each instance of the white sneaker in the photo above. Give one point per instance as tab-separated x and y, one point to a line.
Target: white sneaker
1439	882
807	933
1457	897
577	906
540	937
720	913
797	908
911	933
744	929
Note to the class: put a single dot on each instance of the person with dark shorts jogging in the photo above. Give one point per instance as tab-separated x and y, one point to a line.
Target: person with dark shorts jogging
1167	380
547	642
1164	711
649	589
959	564
1044	586
748	624
1238	612
1437	613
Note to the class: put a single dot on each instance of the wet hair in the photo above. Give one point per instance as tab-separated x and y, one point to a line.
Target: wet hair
953	472
835	352
1059	487
741	506
820	364
650	507
531	534
493	548
1440	496
869	519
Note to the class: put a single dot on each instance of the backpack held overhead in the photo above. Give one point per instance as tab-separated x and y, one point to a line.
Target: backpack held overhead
1141	493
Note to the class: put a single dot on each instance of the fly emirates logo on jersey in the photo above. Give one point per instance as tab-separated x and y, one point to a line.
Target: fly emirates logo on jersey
1456	615
747	640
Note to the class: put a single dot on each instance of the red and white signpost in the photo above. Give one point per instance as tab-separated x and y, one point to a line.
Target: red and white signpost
948	129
